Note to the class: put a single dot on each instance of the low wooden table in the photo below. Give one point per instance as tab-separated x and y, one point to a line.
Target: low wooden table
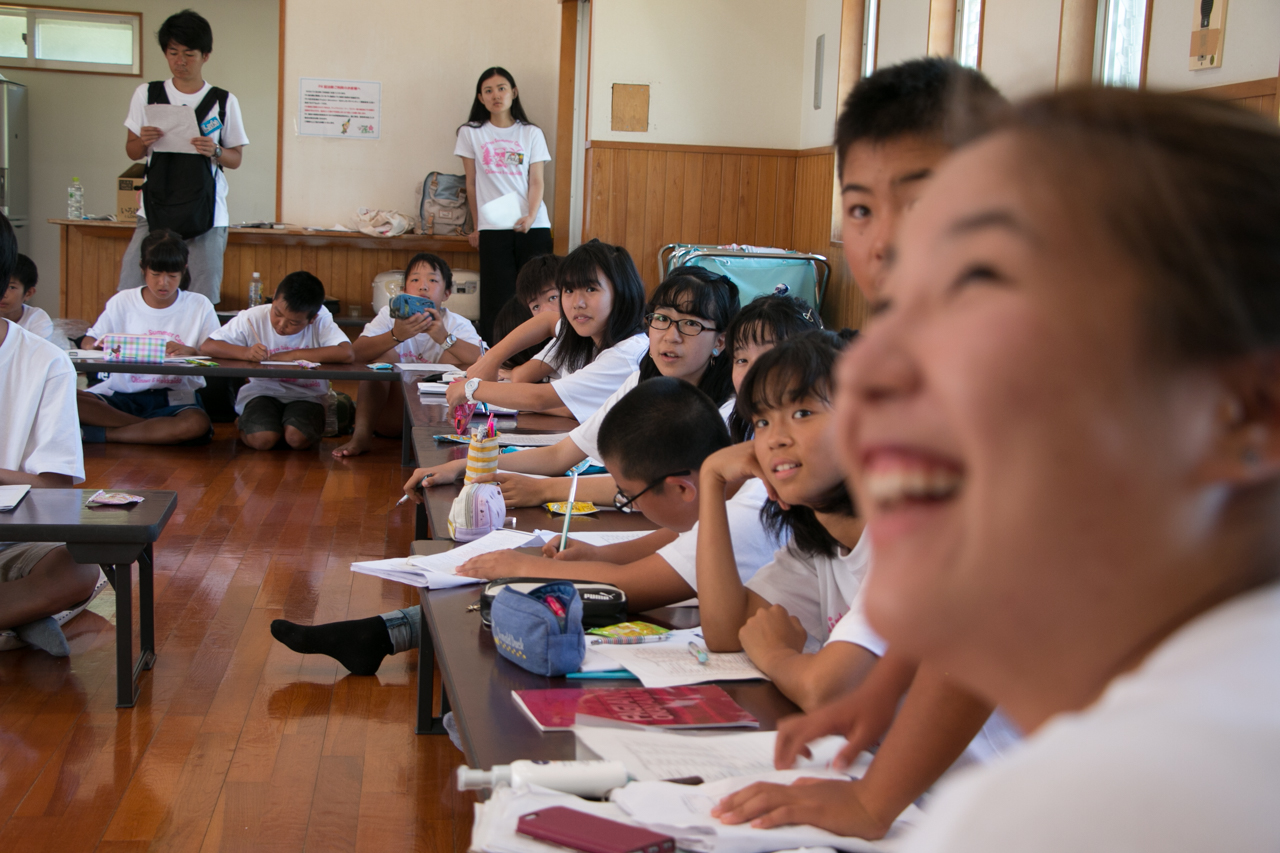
478	682
113	537
240	370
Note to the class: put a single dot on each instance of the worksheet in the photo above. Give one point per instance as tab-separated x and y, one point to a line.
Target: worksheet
673	663
178	124
439	571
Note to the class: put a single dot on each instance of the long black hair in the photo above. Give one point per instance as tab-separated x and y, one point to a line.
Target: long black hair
480	113
796	368
767	319
163	250
626	317
702	293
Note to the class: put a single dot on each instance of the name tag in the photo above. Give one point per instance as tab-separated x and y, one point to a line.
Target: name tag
210	126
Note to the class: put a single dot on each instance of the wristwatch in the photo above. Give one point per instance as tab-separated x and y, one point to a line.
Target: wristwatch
470	389
217	151
450	341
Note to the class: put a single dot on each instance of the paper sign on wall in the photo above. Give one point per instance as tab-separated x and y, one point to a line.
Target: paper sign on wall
345	109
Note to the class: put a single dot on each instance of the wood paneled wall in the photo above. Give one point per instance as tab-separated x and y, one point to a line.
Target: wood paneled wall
1258	96
644	196
346	263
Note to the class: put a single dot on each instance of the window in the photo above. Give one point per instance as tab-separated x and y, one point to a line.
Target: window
1123	30
871	11
968	32
70	40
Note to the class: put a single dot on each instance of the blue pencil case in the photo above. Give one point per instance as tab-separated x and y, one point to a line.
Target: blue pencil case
529	634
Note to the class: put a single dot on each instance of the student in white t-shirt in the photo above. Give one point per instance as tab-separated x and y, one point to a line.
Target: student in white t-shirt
653	442
13	300
151	408
599	339
1062	427
438	336
294	326
687	317
503	155
187	41
521	341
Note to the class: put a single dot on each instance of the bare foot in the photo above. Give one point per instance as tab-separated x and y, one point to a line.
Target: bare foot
356	446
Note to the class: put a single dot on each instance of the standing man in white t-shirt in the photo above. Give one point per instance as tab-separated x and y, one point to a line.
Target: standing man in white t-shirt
503	155
187	42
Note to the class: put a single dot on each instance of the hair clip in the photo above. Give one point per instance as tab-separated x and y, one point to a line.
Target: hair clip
781	289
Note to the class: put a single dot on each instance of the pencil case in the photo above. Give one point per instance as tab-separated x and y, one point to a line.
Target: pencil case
544	639
603	604
148	349
477	510
405	305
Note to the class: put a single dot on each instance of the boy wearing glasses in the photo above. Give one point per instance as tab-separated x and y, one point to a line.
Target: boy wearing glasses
653	442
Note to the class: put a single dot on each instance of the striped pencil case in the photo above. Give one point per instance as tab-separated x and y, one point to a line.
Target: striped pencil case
147	349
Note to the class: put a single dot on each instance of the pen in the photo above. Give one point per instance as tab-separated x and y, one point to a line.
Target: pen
568	515
418	488
699	653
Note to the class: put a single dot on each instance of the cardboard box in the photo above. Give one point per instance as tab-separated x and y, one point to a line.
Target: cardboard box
128	192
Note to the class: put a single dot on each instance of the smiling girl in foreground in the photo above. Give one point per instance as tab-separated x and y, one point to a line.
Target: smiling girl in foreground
1063	425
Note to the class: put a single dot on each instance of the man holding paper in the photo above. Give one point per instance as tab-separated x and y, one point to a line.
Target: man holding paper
189	132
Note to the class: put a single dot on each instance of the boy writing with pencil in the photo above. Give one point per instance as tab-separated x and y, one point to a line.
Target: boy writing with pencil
294	326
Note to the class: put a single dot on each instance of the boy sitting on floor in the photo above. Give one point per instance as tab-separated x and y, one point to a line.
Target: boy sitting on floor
152	408
13	300
436	336
653	442
294	326
39	447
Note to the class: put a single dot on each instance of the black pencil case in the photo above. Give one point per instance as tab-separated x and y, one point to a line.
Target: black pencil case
603	604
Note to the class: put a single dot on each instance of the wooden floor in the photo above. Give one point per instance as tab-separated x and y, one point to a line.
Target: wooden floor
236	743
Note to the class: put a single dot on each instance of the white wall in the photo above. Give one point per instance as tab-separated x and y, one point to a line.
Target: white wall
902	31
720	72
1020	45
77	129
427	55
822	17
1251	50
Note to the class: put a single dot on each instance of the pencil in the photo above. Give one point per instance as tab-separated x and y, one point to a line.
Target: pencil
568	515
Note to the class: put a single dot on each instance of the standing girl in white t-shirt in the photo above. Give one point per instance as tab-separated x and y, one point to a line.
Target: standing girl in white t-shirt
502	153
599	339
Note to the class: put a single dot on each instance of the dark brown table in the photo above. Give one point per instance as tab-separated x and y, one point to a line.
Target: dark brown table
239	370
478	683
113	537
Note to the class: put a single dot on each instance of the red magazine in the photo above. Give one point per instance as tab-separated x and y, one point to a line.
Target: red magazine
699	706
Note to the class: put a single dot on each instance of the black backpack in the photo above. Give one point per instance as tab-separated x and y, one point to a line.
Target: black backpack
181	192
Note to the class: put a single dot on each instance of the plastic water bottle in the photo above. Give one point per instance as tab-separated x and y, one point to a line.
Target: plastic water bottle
75	200
255	290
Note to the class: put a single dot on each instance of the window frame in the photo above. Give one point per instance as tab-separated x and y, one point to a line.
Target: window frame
1102	40
961	9
63	13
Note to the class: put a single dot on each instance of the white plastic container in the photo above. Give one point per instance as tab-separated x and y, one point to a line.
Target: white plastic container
580	778
385	286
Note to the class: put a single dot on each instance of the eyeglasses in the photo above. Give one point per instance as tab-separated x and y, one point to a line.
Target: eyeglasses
688	328
623	503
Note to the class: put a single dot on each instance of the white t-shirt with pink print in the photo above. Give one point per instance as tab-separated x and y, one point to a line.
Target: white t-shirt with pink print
253	326
188	321
503	156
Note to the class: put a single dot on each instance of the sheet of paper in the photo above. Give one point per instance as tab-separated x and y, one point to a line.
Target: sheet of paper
539	440
178	124
599	537
281	363
653	754
87	354
532	477
439	571
503	211
426	367
11	495
435	389
671	664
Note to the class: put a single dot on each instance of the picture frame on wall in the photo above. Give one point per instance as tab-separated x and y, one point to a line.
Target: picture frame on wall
1208	27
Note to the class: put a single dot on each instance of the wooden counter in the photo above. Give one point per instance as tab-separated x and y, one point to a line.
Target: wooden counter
346	261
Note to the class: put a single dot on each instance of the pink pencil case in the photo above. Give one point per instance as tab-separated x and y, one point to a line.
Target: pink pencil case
141	348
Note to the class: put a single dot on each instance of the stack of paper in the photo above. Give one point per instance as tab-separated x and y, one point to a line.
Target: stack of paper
439	571
425	367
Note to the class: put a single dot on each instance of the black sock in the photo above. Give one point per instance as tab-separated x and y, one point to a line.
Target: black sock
359	645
